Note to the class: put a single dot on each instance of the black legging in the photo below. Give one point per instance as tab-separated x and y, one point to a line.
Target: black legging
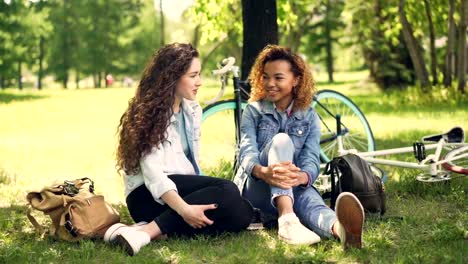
233	213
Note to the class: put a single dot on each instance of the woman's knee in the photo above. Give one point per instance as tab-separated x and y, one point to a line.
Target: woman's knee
230	190
282	140
281	149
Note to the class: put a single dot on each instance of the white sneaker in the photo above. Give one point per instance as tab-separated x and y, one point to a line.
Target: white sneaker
132	240
116	229
350	214
292	231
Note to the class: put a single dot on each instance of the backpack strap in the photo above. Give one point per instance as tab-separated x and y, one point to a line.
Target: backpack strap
332	169
39	228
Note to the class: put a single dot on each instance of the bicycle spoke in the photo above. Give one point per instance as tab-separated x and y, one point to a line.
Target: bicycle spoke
354	141
356	131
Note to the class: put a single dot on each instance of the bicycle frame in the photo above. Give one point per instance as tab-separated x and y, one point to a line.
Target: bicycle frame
431	164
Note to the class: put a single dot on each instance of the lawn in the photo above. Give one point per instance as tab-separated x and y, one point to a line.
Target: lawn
59	134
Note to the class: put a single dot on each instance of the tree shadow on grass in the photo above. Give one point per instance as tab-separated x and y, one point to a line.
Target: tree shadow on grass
6	98
328	85
380	104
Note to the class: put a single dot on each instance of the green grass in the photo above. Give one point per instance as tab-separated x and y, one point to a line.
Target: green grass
55	135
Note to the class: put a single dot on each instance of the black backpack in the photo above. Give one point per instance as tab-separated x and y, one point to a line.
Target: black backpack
355	175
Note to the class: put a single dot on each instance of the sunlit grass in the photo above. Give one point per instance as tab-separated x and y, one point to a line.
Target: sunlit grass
57	134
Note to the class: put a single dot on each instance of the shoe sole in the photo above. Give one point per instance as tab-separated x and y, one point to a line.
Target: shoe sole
350	214
120	240
111	231
292	242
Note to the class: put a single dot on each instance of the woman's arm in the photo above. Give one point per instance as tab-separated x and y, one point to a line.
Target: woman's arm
248	151
309	158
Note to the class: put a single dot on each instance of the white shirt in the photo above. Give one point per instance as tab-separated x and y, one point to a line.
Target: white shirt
169	157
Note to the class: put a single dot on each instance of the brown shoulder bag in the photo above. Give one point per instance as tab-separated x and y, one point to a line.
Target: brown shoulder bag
75	210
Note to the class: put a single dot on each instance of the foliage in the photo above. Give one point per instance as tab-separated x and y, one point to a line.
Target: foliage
219	36
375	28
20	29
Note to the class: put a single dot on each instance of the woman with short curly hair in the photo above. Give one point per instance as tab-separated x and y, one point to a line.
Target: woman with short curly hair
279	154
158	154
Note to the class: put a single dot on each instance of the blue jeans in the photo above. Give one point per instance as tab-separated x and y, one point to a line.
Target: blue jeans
307	202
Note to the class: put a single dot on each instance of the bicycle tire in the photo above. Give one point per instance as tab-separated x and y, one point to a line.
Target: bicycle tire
357	132
218	142
460	165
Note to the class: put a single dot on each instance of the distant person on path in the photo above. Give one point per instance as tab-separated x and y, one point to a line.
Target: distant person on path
279	154
109	79
157	152
127	81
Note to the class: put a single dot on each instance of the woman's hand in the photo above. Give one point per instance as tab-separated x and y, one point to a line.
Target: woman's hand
194	215
284	175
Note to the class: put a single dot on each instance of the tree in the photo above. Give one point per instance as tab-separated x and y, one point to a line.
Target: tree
373	30
17	38
413	47
260	29
218	35
161	17
294	19
432	42
449	64
462	56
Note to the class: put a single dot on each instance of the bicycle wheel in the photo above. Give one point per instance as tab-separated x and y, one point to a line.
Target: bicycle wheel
218	141
356	132
459	165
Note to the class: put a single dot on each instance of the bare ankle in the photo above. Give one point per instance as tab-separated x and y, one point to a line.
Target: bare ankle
153	230
284	205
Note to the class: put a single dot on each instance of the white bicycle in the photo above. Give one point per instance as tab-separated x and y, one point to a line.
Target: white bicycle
449	155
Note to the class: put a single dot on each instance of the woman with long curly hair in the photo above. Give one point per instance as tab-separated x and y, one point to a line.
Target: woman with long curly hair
158	155
279	154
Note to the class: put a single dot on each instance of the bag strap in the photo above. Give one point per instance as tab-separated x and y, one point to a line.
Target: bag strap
332	169
335	175
33	221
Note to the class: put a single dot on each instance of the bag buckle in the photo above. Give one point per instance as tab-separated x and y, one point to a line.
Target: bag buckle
70	228
69	188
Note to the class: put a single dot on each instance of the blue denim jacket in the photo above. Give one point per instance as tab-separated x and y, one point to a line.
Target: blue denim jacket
258	126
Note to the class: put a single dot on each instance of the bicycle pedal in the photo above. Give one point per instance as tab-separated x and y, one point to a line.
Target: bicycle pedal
419	151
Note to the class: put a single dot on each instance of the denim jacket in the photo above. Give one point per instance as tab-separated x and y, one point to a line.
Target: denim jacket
258	126
169	157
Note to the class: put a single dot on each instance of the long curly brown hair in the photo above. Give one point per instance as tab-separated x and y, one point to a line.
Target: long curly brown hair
144	123
305	89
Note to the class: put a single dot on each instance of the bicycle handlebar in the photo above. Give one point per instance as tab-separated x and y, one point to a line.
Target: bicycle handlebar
227	66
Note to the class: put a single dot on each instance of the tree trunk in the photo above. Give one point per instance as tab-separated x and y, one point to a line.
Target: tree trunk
77	80
260	29
97	80
196	36
2	82
161	16
41	60
65	81
413	48
450	54
65	42
20	82
329	44
462	56
432	43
